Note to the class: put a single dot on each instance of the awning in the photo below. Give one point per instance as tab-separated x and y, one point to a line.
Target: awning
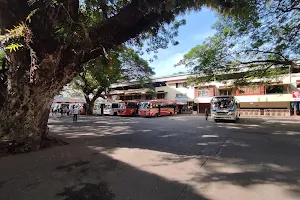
225	87
130	91
68	100
161	92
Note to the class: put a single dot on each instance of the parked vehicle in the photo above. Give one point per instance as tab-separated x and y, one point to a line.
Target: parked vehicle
225	108
128	108
155	108
111	108
97	109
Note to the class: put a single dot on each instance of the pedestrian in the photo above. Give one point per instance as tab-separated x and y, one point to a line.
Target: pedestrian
206	114
61	112
75	110
68	111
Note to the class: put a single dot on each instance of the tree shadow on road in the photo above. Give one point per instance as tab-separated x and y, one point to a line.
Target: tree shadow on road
82	173
249	153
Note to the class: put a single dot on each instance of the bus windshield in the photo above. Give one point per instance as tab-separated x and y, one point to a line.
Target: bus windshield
223	102
122	105
144	105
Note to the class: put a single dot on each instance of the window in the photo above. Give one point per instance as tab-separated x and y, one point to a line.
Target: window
251	90
148	97
128	97
114	105
154	105
181	95
122	98
131	105
225	92
203	93
275	89
144	105
298	83
181	85
137	97
160	95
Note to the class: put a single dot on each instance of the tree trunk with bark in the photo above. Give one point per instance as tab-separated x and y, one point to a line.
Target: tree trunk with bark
26	105
91	101
90	107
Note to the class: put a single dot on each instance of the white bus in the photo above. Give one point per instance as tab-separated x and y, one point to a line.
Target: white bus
111	108
225	108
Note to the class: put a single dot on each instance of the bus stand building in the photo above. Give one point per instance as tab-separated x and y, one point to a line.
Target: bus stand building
281	97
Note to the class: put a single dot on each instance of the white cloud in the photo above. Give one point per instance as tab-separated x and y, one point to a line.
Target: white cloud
164	67
203	36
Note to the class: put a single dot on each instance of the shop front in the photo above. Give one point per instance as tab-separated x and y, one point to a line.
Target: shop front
184	106
295	103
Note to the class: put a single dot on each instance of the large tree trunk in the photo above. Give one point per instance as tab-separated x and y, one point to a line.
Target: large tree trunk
24	118
90	107
26	104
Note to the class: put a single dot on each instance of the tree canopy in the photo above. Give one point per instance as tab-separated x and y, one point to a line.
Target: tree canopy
260	44
48	42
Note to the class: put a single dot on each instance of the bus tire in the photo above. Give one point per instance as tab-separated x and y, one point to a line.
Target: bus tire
115	113
216	120
171	113
156	115
133	114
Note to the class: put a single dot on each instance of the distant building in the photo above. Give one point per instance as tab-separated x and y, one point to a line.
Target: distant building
168	87
279	98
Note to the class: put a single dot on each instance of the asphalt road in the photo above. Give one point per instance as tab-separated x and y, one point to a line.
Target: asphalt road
168	158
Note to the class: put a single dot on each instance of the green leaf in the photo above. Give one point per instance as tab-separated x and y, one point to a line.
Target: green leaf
13	47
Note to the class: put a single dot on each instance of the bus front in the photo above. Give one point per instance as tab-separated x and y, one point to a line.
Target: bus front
224	108
145	109
122	108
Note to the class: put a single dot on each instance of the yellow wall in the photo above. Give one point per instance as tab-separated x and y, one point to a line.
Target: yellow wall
254	105
266	98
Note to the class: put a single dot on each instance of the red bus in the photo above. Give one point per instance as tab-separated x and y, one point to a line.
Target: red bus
128	108
155	108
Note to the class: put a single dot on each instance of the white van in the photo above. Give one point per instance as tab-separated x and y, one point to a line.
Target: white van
111	108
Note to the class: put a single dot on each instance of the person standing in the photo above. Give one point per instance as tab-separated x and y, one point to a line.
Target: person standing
75	111
206	114
68	111
61	112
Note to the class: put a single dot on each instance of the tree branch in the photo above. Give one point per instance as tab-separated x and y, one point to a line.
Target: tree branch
98	94
131	21
269	52
277	62
104	8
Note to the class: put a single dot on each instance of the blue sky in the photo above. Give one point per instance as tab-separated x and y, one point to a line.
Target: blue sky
197	28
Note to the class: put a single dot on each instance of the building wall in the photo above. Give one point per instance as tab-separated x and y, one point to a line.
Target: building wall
254	97
266	98
171	91
265	105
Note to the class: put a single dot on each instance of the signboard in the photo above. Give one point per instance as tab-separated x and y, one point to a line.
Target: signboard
181	99
114	97
296	95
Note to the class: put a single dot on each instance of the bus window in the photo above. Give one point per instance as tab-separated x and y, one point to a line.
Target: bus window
122	105
132	105
115	105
